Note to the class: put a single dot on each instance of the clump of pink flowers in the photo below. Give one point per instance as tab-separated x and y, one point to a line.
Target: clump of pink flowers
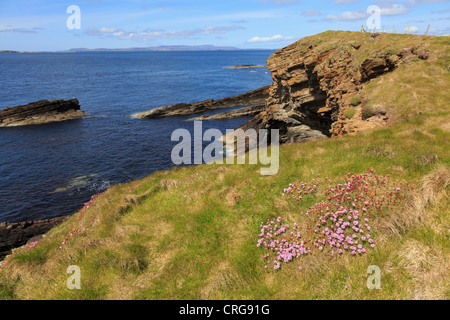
286	246
72	234
32	245
298	190
337	224
136	186
79	231
88	204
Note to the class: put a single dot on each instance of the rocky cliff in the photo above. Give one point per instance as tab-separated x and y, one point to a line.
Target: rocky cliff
315	79
13	235
40	112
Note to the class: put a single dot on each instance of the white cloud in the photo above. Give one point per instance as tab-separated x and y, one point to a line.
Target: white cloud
159	33
348	16
107	30
311	13
275	38
412	29
9	28
411	3
393	10
441	11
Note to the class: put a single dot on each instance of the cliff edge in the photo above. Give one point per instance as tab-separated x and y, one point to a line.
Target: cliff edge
316	79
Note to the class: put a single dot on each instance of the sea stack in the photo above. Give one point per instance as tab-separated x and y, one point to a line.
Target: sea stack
41	112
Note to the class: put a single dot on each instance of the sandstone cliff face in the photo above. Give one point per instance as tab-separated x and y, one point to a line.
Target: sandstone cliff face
39	112
312	86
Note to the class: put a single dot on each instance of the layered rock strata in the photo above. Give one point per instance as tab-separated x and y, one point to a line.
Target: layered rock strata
255	97
13	235
40	112
312	86
244	112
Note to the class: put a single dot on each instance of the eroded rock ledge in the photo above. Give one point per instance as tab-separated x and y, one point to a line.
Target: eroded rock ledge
253	98
245	66
244	112
41	112
312	86
13	235
315	78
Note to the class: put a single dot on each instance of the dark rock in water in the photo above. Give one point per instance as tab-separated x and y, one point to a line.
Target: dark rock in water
255	97
40	112
245	112
245	66
13	235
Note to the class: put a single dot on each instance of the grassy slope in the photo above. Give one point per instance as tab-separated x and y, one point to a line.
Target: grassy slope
191	233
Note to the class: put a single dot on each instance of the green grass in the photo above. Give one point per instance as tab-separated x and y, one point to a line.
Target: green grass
35	256
355	100
366	112
349	113
204	245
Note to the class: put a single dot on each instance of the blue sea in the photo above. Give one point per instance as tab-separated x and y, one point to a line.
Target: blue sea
52	170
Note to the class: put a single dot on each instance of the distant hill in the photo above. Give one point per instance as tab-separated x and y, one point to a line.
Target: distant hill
159	48
163	48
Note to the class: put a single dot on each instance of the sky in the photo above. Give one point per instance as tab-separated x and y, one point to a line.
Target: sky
51	25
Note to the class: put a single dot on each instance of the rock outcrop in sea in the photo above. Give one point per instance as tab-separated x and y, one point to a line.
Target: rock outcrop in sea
245	66
41	112
244	112
253	98
13	235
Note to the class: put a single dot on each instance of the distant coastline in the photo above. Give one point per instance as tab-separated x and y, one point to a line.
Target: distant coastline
13	51
145	49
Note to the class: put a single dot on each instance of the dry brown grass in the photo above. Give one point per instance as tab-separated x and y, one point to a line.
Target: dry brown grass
433	190
429	269
168	184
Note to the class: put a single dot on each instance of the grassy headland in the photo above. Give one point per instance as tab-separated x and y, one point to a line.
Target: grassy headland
192	232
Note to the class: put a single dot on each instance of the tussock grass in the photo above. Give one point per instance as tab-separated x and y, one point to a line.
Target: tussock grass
355	100
434	189
349	113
